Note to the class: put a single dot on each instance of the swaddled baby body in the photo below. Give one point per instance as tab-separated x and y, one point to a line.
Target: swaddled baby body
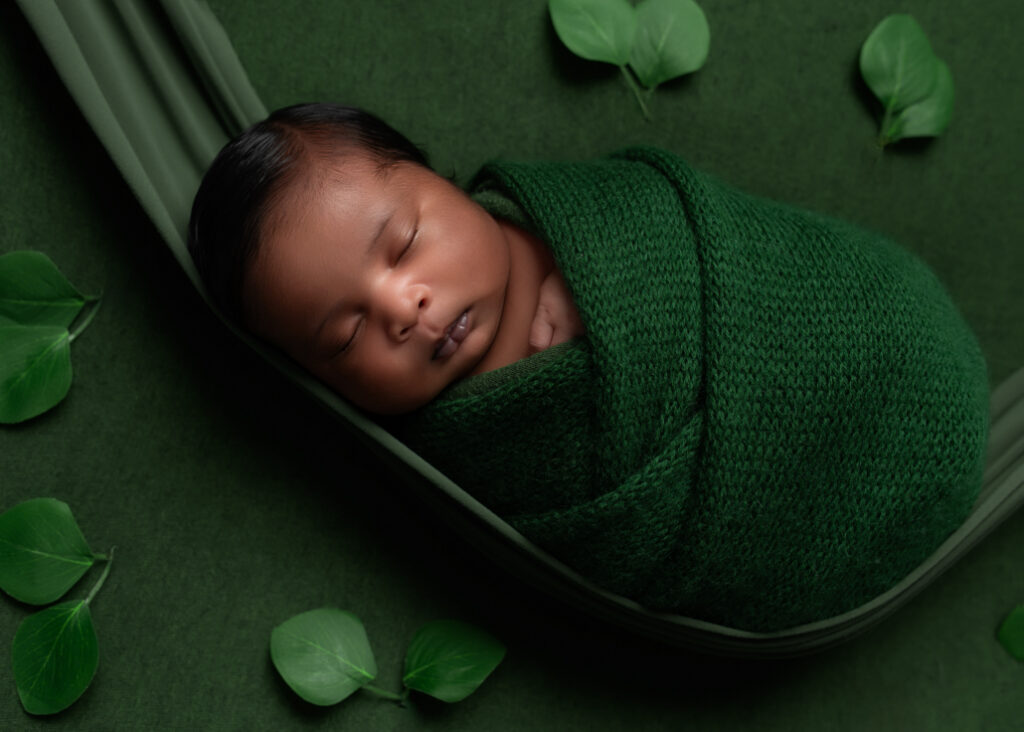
743	412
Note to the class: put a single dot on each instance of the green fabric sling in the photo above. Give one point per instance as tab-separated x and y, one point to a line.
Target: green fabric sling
773	417
162	88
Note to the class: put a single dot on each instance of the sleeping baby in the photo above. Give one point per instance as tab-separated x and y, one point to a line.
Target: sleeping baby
710	403
370	270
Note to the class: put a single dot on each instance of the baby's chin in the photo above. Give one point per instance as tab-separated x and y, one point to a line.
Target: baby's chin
390	402
386	407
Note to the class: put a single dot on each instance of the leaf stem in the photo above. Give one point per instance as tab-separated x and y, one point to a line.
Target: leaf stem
883	134
636	92
103	577
86	320
384	694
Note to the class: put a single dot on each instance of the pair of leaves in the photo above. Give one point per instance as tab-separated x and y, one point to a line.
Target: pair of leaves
913	84
37	307
324	656
658	39
42	555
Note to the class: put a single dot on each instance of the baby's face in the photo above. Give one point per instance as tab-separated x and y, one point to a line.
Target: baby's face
388	285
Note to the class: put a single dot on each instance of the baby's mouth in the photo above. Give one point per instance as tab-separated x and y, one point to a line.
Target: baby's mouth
454	334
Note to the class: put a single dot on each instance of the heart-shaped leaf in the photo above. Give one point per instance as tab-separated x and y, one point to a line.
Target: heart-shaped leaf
34	292
323	655
672	38
597	30
897	62
449	659
35	370
42	551
931	115
54	656
1011	633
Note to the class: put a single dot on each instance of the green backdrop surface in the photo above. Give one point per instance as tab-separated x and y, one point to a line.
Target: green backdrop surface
235	503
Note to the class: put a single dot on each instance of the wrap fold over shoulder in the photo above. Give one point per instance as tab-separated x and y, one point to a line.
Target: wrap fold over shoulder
774	416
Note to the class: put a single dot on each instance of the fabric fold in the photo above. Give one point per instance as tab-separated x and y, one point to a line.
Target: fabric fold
161	118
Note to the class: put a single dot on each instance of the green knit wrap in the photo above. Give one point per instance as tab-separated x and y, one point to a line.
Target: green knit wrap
773	417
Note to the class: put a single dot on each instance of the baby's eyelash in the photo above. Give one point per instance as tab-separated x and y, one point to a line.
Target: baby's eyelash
348	344
408	245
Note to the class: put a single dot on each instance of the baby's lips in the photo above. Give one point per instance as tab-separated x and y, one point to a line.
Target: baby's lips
454	335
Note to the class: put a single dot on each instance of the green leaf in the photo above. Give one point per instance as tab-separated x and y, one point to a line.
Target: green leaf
672	38
42	551
35	370
1011	633
449	659
597	30
897	63
323	655
931	115
55	656
34	292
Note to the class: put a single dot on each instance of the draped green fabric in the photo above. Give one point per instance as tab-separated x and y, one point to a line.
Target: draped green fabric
772	418
162	88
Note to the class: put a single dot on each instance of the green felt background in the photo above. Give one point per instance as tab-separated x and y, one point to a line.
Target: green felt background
235	503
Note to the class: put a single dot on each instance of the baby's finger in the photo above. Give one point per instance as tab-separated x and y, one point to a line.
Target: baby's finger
541	333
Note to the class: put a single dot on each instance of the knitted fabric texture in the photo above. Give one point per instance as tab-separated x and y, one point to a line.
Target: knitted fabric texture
773	417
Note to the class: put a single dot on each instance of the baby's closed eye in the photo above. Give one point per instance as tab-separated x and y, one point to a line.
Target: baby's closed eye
346	345
408	245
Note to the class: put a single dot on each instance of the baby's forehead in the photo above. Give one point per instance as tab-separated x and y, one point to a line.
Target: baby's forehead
349	193
351	166
349	197
370	186
317	183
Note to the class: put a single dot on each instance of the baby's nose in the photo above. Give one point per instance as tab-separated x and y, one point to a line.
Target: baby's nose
407	308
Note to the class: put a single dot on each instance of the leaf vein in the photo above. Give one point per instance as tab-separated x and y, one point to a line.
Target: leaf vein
48	555
664	36
436	661
53	303
329	652
53	646
32	364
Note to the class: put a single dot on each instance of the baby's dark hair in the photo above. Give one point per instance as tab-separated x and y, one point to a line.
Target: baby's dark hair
247	178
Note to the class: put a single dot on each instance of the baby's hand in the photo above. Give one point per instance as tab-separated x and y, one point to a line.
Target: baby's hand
557	319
